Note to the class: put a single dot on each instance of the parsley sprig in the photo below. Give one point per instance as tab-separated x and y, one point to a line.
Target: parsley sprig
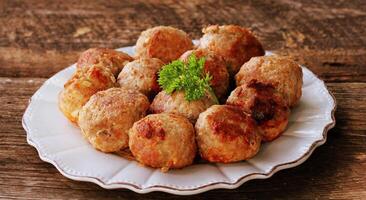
187	76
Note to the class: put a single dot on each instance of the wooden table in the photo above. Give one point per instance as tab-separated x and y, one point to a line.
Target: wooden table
39	38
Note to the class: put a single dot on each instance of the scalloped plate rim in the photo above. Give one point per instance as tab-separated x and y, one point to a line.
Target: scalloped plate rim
190	191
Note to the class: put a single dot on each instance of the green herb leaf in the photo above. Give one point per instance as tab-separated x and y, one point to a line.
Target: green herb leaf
189	77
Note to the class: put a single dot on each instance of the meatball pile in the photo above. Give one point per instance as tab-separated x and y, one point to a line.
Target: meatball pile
117	101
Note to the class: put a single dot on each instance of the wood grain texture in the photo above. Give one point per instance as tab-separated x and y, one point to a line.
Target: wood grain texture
39	38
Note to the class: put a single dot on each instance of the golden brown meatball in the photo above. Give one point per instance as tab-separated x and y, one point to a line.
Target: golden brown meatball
163	141
226	134
177	104
141	75
163	42
234	43
215	66
266	106
81	87
106	118
281	72
109	58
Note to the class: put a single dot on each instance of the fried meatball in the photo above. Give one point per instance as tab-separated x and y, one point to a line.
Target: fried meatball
81	87
226	134
281	72
265	105
106	118
109	58
234	43
163	42
215	66
141	75
163	141
177	104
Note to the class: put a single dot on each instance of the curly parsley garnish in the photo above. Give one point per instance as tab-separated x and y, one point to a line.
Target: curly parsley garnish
188	76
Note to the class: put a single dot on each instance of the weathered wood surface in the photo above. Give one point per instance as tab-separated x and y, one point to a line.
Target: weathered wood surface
328	36
39	38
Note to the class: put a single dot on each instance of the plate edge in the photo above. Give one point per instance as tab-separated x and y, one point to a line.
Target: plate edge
203	188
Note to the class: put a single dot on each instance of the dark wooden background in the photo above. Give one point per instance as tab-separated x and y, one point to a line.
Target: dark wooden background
39	38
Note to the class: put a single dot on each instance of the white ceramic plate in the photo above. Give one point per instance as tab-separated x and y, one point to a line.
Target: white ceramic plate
60	143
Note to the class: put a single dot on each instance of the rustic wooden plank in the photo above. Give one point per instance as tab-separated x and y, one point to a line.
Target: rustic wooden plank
38	39
334	65
335	170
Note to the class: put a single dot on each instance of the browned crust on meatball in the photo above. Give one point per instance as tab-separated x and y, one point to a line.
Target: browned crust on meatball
109	58
163	42
141	74
149	129
215	66
226	134
279	71
163	141
227	130
81	87
177	104
265	105
106	118
234	43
